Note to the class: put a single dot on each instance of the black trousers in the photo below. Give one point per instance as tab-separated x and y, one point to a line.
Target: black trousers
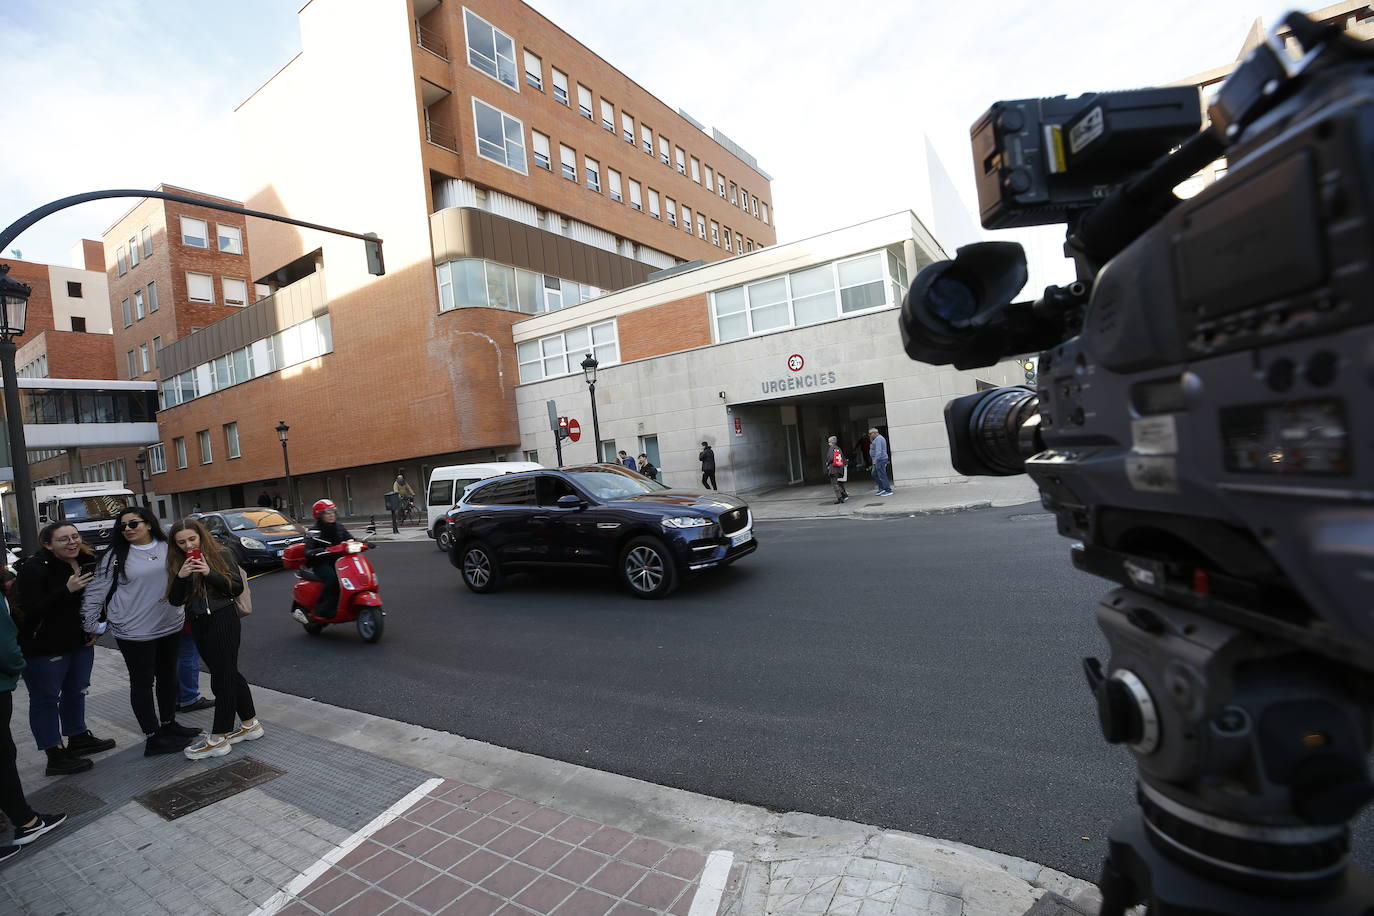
12	800
327	605
217	637
152	665
708	478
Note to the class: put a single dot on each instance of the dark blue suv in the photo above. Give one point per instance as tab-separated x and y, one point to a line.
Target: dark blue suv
600	515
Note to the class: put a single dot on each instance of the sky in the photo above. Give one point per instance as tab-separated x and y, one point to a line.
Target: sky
834	100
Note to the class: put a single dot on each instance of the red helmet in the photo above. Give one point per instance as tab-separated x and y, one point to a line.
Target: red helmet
323	506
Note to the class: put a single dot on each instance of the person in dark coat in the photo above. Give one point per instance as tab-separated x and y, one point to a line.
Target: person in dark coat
326	533
646	467
834	468
708	466
59	656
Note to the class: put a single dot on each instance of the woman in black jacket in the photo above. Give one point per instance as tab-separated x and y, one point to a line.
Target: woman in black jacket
59	655
204	579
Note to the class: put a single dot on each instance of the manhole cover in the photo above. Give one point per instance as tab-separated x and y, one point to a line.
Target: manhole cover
184	796
70	800
1030	517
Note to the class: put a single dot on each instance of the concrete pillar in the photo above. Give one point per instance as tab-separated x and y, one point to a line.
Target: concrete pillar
909	255
74	464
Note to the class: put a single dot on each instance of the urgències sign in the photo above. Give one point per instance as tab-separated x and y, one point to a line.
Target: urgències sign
798	382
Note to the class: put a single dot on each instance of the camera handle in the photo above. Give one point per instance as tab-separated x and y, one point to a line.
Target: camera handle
1251	759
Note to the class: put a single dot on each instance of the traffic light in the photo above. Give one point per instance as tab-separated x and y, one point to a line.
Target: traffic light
1029	366
562	427
373	247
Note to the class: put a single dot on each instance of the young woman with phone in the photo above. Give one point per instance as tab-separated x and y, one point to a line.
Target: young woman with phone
204	579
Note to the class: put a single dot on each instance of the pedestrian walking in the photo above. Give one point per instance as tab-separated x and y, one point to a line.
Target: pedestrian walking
129	591
189	698
626	460
205	580
708	466
646	468
264	500
58	654
28	824
882	462
835	469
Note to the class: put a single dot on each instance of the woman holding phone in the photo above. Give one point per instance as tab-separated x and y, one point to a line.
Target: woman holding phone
205	580
48	596
129	590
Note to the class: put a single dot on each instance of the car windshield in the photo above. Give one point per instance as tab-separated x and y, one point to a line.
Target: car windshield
255	518
92	508
614	483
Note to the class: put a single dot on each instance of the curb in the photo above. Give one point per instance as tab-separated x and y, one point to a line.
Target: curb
871	514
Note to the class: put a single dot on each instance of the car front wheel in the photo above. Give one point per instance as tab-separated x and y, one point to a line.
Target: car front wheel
647	568
442	538
481	573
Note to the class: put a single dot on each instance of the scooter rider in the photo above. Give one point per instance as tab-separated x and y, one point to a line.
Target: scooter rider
326	533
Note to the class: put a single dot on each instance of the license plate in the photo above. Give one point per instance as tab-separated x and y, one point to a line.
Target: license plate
742	538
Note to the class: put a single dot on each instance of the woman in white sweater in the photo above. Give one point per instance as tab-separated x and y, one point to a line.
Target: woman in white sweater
129	593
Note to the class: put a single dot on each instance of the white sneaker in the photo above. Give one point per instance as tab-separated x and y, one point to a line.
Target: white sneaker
207	747
246	734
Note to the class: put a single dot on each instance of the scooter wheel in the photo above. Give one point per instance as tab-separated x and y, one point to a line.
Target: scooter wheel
371	623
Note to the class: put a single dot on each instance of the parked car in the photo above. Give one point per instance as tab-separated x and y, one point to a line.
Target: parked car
600	515
257	536
446	486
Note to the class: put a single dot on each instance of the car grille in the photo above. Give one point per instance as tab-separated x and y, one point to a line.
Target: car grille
734	520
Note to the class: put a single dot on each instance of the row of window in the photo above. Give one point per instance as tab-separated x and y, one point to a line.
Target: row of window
127	257
286	348
492	51
139	360
472	283
114	469
195	233
157	459
823	293
562	353
199	288
138	306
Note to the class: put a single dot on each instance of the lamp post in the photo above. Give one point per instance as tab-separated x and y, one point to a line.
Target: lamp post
14	304
142	462
589	373
286	460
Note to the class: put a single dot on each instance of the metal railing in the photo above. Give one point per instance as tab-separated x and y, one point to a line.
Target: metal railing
440	134
430	41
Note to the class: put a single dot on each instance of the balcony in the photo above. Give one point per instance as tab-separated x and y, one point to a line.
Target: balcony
431	41
440	134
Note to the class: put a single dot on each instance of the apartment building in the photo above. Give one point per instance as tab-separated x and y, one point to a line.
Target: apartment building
510	172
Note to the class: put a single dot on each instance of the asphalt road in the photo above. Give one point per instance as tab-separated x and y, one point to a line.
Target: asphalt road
921	674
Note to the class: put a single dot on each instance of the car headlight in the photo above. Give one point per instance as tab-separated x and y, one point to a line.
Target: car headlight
686	521
252	543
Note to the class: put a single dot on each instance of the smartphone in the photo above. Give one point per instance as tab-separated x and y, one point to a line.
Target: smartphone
88	567
193	554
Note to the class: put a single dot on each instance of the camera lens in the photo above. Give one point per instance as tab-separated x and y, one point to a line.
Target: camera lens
952	299
995	428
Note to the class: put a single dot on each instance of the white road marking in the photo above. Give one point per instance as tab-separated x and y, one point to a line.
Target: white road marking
305	878
712	886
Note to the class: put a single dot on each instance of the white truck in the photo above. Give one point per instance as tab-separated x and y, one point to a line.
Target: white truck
91	507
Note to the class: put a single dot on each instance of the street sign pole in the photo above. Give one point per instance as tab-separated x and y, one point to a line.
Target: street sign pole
556	423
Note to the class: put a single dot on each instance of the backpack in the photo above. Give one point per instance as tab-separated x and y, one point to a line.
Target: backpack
836	458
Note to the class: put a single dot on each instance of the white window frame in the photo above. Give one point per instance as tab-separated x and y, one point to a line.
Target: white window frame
143	358
542	150
701	226
763	205
593	170
179	446
608	116
132	357
539	351
209	281
636	200
727	238
654	209
680	158
687	219
506	127
720	184
617	190
138	305
122	258
696	169
224	288
754	204
495	62
715	233
236	238
646	138
128	314
207	448
152	296
133	252
146	234
664	151
560	87
710	181
157	459
627	128
584	103
567	160
231	440
534	77
670	210
190	240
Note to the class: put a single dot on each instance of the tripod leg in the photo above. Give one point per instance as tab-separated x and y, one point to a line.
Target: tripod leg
1118	890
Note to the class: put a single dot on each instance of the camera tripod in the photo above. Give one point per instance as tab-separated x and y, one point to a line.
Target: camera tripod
1251	758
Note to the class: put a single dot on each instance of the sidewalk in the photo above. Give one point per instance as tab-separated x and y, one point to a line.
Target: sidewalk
906	499
351	813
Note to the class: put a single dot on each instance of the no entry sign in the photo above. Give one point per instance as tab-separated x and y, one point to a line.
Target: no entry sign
574	430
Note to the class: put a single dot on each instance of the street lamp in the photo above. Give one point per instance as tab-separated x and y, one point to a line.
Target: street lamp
142	462
286	459
589	373
14	305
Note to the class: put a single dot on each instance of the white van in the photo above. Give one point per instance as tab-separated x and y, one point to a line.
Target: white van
446	487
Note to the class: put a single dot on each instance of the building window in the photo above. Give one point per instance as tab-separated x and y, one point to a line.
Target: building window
500	137
696	170
727	239
206	455
607	116
670	208
663	146
534	70
143	357
78	324
648	447
195	232
200	287
231	440
593	173
627	128
750	243
567	157
609	453
584	101
687	219
179	444
473	283
235	291
128	315
720	184
614	178
636	202
133	252
230	238
122	259
532	455
157	459
541	150
146	234
73	289
739	243
562	354
560	86
653	204
490	49
701	227
734	194
152	297
157	345
710	178
646	137
764	214
138	305
681	159
133	363
715	233
754	205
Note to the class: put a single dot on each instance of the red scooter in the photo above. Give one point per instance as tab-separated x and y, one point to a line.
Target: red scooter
358	598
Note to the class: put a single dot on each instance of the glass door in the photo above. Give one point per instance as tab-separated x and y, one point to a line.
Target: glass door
794	453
